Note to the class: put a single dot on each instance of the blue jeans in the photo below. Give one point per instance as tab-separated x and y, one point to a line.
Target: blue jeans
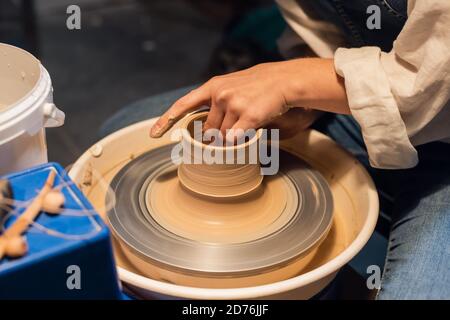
417	201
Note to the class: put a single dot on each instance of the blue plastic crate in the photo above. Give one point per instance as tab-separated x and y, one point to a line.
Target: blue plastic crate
44	272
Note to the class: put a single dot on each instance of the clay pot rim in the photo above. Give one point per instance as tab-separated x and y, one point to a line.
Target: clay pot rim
198	114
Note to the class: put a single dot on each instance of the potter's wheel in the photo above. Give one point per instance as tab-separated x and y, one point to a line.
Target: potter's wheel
355	213
273	228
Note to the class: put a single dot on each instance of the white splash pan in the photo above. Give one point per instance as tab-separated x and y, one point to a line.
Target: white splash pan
355	197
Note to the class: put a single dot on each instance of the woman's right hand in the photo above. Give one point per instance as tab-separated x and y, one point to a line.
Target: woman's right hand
255	97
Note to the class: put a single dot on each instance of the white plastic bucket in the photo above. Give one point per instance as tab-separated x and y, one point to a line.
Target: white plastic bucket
26	109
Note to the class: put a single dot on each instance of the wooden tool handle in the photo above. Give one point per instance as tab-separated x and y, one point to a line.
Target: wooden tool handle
21	224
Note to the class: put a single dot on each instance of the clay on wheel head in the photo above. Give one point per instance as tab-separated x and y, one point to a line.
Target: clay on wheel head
238	173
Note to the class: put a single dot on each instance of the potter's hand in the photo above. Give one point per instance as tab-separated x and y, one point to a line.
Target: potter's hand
245	99
254	97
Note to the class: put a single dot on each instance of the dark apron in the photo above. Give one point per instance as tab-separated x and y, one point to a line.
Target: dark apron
351	17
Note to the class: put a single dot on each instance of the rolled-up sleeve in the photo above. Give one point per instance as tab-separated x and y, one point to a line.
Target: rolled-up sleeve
396	96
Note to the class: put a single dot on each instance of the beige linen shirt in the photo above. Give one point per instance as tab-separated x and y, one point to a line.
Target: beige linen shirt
399	98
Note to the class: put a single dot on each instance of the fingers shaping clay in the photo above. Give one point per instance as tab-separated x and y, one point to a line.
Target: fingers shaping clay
233	172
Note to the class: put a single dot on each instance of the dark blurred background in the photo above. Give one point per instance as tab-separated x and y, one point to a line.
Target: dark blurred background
130	49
